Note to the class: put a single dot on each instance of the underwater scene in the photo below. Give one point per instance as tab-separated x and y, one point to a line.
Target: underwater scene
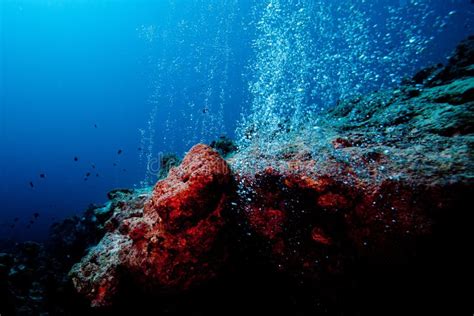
236	157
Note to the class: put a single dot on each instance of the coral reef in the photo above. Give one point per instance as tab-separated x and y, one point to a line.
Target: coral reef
363	212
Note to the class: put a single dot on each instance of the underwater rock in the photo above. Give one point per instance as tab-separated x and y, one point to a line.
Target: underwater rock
119	193
174	243
168	161
389	175
224	146
70	238
34	277
460	64
363	211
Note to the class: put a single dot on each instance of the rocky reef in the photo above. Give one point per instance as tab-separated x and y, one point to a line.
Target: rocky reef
174	242
366	212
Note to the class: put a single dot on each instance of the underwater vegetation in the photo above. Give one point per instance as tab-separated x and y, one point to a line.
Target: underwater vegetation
359	215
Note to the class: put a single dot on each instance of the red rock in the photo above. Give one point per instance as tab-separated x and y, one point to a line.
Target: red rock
333	201
384	177
268	223
316	225
174	244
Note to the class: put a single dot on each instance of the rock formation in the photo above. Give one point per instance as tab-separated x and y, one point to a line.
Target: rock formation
366	209
381	173
381	180
173	243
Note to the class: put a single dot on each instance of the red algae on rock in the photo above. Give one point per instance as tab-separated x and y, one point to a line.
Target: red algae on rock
383	180
173	244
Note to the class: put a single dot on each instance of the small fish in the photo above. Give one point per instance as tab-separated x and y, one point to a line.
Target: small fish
28	226
93	166
42	176
124	170
12	226
205	110
115	164
88	174
16	219
76	159
32	184
95	126
97	175
36	215
139	149
32	222
119	152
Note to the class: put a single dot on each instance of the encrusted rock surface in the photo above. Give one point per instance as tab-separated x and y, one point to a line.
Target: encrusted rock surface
172	244
34	277
381	180
364	212
378	181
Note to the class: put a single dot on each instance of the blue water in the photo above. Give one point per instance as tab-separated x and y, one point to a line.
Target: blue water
87	78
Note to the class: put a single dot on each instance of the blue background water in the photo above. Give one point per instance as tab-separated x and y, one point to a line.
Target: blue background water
68	65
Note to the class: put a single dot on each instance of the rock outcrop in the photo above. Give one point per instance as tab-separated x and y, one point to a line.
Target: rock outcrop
173	244
365	211
381	181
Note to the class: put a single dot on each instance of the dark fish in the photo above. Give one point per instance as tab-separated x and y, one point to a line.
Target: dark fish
42	176
124	170
32	222
12	226
97	175
76	158
16	219
36	215
205	110
88	174
95	125
115	165
120	151
139	149
31	184
93	166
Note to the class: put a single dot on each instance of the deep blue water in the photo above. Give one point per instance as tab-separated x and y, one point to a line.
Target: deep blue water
87	78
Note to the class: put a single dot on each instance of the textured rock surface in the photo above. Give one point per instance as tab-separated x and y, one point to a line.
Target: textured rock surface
382	180
33	276
366	212
173	243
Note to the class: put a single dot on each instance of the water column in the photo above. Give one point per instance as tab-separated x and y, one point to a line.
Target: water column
190	84
281	70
